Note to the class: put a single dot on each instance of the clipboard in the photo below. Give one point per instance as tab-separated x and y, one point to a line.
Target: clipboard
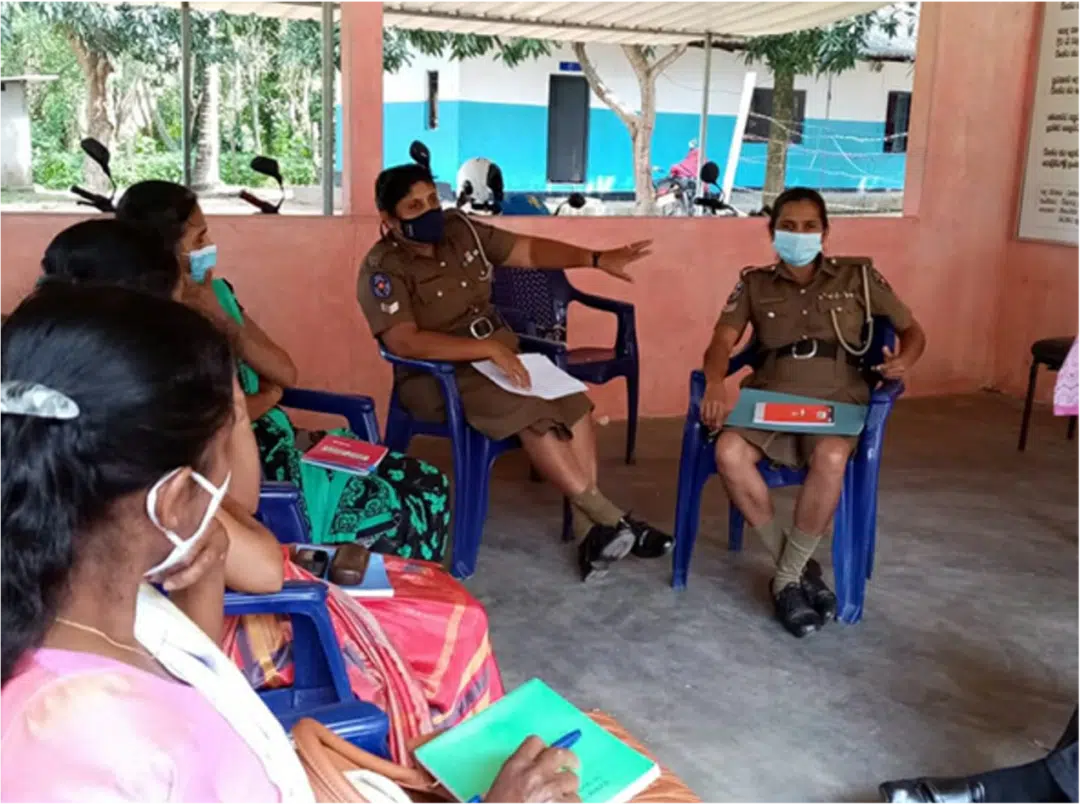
848	419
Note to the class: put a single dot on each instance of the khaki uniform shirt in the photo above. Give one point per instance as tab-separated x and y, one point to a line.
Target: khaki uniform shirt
783	312
443	293
447	293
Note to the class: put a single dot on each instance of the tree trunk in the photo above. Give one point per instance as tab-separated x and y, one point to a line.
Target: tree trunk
96	69
256	127
780	130
155	117
206	172
644	189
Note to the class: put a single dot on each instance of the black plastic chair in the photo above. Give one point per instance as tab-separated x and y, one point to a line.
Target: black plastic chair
1051	353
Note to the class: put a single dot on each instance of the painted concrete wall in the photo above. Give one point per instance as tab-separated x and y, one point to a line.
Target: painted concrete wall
487	109
981	296
15	167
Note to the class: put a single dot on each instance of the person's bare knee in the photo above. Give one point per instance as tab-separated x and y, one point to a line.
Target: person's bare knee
830	458
734	453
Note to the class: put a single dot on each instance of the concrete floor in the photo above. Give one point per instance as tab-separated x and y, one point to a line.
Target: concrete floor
966	657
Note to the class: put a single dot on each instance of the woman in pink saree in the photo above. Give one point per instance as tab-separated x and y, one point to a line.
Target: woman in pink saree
1065	389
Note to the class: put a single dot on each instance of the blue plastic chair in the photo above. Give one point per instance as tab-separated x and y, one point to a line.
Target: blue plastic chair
473	453
321	688
855	522
534	302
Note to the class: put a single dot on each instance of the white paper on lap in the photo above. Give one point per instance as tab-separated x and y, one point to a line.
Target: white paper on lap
549	382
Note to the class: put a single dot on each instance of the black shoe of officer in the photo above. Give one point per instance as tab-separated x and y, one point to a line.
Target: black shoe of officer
933	789
794	611
603	546
649	542
817	592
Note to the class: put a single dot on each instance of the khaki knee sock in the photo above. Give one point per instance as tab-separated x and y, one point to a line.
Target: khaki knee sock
597	508
579	523
772	537
797	552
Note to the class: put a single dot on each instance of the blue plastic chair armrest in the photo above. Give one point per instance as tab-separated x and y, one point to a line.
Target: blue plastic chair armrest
443	372
743	358
881	403
697	391
556	350
294	598
279	510
626	333
357	409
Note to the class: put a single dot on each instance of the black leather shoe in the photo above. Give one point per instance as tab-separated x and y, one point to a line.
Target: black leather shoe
795	612
817	592
603	546
1071	734
649	542
933	789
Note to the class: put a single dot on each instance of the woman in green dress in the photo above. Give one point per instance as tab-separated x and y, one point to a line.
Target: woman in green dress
402	508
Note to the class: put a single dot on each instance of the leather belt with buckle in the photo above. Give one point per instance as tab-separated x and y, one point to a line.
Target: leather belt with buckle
481	328
807	348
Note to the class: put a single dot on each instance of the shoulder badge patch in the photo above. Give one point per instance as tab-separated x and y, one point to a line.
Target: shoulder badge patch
877	277
733	298
381	287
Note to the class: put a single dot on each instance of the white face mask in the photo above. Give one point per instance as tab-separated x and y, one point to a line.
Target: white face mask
183	546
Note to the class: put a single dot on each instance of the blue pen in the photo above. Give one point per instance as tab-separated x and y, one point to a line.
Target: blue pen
564	742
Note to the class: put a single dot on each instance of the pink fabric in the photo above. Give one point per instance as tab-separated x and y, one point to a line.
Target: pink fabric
1066	395
77	727
687	169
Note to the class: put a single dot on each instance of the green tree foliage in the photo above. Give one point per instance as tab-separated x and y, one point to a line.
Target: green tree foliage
399	45
816	51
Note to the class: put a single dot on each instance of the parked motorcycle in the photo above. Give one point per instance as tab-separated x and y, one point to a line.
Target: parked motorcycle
675	191
100	155
712	200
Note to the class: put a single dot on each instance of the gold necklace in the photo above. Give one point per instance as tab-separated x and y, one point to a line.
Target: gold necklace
98	633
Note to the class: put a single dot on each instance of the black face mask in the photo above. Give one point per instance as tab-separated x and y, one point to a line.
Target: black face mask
426	228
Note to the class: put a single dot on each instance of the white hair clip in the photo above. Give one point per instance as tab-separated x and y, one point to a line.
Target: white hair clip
34	399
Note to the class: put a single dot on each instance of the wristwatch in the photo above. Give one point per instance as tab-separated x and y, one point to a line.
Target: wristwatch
596	259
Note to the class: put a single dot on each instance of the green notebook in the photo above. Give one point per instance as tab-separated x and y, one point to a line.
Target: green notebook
847	419
467	758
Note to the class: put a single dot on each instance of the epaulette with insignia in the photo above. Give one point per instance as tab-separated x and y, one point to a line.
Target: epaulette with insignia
751	269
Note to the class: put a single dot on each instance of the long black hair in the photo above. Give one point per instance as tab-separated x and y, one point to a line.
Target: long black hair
798	194
162	207
153	383
111	252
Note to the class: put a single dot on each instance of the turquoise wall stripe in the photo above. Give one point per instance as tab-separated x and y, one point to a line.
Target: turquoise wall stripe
834	153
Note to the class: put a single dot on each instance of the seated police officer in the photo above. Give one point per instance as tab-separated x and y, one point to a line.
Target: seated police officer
425	289
809	314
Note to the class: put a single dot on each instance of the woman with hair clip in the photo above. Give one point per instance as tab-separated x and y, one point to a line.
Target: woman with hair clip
424	654
115	412
402	508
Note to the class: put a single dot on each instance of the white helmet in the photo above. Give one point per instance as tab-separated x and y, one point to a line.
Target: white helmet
480	183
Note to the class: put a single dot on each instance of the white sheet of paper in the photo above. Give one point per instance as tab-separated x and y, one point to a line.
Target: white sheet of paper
549	382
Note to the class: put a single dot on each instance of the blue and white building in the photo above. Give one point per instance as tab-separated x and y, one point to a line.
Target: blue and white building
851	135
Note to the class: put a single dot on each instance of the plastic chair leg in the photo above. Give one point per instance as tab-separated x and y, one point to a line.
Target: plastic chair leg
736	526
692	479
1033	376
849	558
473	500
631	416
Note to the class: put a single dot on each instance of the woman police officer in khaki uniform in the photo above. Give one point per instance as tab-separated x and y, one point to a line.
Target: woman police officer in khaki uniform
808	312
425	289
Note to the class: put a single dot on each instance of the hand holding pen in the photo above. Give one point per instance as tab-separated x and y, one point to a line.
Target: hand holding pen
538	773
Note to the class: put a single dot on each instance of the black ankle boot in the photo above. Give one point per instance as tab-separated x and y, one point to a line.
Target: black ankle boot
817	592
794	611
649	542
603	546
930	789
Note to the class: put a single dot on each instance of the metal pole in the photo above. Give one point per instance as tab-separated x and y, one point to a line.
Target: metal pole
737	136
185	89
328	108
703	125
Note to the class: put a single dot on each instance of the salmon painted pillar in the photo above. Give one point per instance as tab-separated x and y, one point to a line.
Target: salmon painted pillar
361	92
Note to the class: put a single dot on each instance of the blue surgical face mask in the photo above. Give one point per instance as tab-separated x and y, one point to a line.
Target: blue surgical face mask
201	261
797	248
426	228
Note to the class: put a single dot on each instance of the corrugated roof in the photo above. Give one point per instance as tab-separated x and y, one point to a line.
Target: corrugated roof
624	23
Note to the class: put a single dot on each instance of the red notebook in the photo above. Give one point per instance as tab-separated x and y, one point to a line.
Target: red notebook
345	454
778	413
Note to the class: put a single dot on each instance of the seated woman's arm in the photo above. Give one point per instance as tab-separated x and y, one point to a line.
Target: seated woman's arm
268	396
255	562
